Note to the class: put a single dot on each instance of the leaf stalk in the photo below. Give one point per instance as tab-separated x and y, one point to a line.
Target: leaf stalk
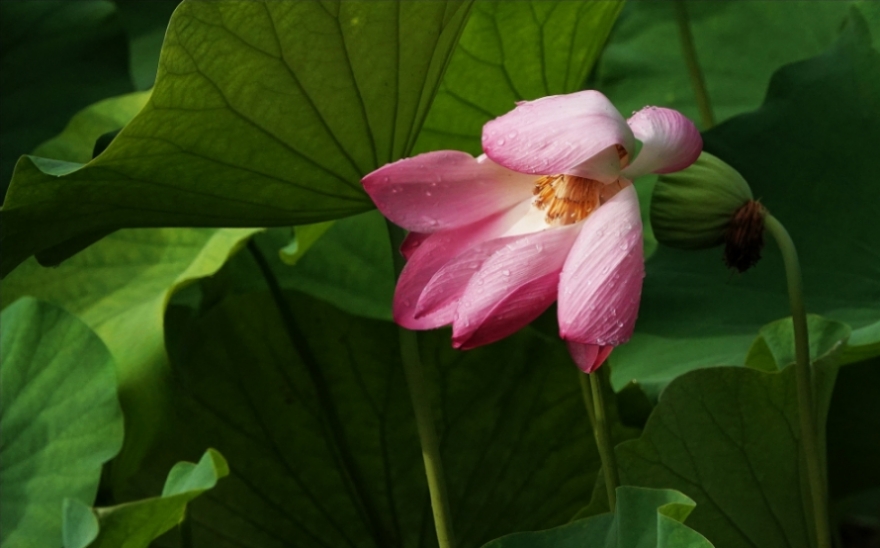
804	379
689	50
421	400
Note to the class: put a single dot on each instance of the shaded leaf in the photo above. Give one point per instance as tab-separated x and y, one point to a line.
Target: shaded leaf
693	313
137	524
60	419
145	24
729	439
739	45
325	98
322	442
854	415
57	57
774	350
644	518
349	266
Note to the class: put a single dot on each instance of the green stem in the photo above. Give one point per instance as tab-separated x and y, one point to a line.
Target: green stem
693	64
602	431
806	402
588	398
421	402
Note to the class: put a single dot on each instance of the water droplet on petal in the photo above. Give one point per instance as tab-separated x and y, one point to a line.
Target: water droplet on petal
506	272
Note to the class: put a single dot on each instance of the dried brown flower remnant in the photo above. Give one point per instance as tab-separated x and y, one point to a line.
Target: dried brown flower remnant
744	237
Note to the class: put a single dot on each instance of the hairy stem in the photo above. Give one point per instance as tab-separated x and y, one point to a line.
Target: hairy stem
421	400
602	431
693	64
806	402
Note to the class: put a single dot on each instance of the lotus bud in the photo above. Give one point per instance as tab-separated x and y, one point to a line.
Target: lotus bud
706	205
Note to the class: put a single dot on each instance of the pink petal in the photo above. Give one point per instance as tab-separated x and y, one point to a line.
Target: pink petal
670	141
431	254
601	282
444	190
412	241
575	134
512	288
588	357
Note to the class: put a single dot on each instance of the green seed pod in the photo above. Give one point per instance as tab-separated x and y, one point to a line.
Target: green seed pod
693	208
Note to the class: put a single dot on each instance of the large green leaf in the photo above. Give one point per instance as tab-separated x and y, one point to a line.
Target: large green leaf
514	51
57	57
508	51
739	46
59	419
137	524
321	439
816	128
644	518
264	113
120	288
729	439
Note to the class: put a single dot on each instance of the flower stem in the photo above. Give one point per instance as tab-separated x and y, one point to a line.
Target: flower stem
804	379
693	64
421	401
602	431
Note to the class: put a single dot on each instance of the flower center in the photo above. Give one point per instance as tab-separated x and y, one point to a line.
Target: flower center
567	199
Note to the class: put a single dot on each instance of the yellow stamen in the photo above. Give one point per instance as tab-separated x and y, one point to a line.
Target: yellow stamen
567	199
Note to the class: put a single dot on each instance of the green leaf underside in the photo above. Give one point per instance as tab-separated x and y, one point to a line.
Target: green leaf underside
508	51
120	287
728	438
793	152
137	524
263	113
349	267
513	51
322	443
59	419
644	518
57	57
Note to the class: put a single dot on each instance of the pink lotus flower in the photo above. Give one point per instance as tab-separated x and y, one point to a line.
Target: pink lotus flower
547	213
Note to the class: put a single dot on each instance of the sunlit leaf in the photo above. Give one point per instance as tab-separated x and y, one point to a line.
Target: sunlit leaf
60	419
508	51
137	524
514	51
264	113
120	288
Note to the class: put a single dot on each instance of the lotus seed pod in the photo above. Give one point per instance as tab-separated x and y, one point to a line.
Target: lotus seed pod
693	208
